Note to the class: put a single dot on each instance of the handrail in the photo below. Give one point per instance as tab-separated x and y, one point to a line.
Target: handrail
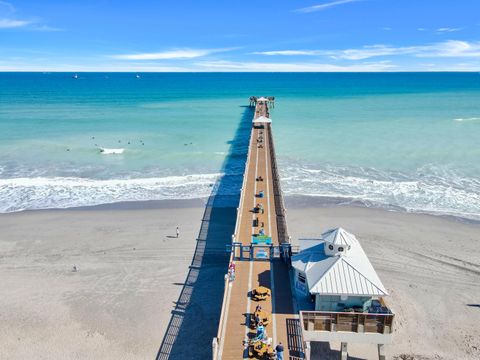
244	181
345	313
278	194
346	321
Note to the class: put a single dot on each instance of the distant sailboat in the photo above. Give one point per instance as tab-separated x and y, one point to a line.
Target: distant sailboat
137	76
75	76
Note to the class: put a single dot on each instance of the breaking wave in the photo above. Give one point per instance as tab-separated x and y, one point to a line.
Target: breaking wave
107	151
428	189
60	192
467	119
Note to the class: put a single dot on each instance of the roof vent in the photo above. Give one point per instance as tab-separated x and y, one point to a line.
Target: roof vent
338	242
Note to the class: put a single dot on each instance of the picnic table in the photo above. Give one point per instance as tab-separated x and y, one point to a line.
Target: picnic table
262	350
260	293
264	316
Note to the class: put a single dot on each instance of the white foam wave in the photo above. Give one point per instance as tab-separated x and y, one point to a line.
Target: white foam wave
106	151
428	190
43	193
467	119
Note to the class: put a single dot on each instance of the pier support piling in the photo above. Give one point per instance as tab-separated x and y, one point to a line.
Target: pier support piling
343	351
381	352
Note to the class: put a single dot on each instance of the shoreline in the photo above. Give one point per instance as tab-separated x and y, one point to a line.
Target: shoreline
291	201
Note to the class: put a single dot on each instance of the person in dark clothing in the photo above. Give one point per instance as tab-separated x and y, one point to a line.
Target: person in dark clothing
279	349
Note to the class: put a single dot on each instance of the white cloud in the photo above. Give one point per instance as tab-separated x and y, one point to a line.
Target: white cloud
73	67
7	7
168	55
7	21
449	48
289	52
447	30
231	66
442	30
13	23
325	6
348	54
470	67
367	52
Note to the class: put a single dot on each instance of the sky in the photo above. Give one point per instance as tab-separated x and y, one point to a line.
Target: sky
235	35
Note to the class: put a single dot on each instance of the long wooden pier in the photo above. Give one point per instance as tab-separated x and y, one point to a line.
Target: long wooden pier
259	265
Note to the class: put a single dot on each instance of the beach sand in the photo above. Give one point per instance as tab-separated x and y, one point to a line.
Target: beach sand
132	271
117	306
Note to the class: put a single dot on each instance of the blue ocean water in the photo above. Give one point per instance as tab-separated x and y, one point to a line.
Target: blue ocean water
388	139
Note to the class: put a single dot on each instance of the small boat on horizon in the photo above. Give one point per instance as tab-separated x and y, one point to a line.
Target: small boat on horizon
75	76
137	76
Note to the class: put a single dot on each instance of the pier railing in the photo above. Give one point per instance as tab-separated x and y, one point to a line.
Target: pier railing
221	324
283	237
343	321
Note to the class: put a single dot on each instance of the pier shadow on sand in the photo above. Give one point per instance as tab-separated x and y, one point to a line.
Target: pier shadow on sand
194	321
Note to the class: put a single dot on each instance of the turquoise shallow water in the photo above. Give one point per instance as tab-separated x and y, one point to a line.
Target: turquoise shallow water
408	139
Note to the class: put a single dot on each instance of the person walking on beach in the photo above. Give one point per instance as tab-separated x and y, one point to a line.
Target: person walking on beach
178	231
279	349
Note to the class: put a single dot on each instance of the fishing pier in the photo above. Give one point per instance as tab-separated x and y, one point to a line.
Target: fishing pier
260	250
262	301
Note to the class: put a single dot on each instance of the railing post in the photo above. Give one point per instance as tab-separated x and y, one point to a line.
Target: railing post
214	348
381	352
361	323
344	351
307	350
310	324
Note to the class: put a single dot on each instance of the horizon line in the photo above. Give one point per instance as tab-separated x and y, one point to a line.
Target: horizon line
239	72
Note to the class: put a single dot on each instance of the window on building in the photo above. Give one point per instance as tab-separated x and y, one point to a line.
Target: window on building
301	278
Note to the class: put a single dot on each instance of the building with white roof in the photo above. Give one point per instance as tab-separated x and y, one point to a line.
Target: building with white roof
348	294
337	272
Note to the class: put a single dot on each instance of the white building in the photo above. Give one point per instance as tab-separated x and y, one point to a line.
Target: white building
348	293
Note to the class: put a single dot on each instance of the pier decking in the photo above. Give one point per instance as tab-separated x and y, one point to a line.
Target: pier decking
250	271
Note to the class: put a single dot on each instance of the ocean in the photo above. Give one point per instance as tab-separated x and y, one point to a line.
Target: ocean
402	140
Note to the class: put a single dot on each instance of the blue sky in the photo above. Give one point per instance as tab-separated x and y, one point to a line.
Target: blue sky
234	35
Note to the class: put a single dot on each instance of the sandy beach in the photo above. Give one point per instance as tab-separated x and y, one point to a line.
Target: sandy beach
132	271
117	306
